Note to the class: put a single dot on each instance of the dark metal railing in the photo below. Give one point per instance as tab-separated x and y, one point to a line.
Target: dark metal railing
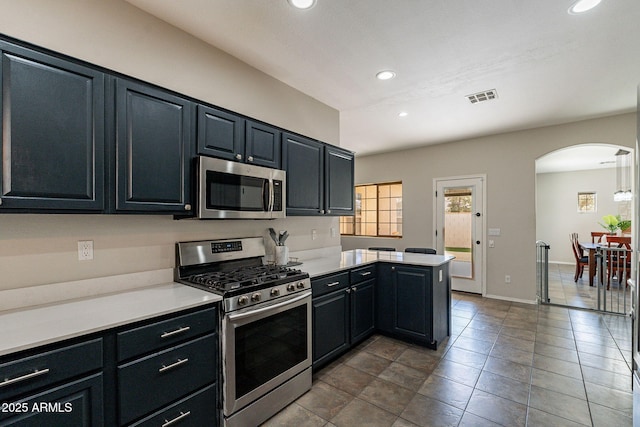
542	271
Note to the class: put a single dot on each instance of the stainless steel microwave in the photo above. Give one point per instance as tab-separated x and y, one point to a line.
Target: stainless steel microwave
235	190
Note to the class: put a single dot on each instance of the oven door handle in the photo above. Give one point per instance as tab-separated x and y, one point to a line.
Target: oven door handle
239	316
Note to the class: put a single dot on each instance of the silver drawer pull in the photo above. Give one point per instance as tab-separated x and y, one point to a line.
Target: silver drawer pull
176	332
365	274
33	374
176	419
332	284
173	365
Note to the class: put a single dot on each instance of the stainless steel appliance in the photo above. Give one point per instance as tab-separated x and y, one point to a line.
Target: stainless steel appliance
265	325
239	191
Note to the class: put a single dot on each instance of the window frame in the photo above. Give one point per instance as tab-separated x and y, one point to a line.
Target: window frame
351	220
595	201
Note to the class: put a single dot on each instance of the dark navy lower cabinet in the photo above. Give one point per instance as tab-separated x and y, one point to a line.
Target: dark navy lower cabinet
362	310
330	326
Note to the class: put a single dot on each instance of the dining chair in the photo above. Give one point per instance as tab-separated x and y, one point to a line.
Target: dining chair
430	251
596	236
618	262
581	259
381	248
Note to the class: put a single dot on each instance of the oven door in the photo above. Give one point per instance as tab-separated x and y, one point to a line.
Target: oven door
264	346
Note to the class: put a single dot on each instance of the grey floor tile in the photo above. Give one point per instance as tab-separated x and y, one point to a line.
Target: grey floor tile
556	341
508	369
386	348
607	378
368	363
471	420
425	411
401	422
559	383
349	379
538	418
324	400
457	372
558	366
557	332
607	417
446	391
556	352
419	358
359	412
388	396
520	344
295	415
512	354
610	398
613	365
403	375
478	346
559	404
466	357
518	333
504	387
497	409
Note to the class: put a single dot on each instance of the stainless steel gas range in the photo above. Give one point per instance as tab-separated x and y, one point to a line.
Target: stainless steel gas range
265	325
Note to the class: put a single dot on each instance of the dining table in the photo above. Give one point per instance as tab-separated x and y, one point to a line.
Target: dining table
591	250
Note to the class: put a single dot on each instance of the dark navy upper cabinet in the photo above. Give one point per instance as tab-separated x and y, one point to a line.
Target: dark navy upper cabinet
339	181
52	133
220	134
319	177
153	150
303	160
263	145
229	136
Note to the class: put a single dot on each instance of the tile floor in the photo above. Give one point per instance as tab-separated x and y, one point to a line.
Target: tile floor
563	290
505	364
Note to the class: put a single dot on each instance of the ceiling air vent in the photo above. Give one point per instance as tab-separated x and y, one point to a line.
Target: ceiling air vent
487	95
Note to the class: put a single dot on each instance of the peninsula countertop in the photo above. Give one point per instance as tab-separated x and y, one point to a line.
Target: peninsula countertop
359	257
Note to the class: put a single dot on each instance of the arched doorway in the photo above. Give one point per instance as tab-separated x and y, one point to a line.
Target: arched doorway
575	188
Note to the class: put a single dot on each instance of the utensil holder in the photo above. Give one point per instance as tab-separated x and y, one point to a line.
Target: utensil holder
281	255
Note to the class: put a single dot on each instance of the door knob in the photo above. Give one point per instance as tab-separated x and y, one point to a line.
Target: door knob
477	242
478	213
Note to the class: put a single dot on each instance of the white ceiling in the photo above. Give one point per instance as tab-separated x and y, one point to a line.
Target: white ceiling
548	66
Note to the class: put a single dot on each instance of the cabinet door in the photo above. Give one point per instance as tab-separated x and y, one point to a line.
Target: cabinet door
303	160
263	145
220	134
362	310
153	150
412	302
52	133
79	403
330	326
339	181
384	298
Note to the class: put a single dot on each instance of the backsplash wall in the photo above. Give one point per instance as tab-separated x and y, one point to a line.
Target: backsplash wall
43	249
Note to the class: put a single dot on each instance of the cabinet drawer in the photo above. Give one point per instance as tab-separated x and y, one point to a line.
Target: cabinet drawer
147	384
196	410
328	284
361	274
149	338
30	373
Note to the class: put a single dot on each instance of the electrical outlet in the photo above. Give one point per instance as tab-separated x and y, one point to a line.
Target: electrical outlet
314	234
333	232
507	279
85	250
492	243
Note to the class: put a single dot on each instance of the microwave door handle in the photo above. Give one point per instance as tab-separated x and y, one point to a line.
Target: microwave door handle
266	194
272	195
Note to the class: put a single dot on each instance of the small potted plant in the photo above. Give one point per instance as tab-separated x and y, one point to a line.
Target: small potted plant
610	223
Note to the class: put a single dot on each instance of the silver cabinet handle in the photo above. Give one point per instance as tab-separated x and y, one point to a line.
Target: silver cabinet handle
322	211
33	374
349	290
365	274
187	207
328	211
173	365
239	156
250	158
176	332
332	284
176	419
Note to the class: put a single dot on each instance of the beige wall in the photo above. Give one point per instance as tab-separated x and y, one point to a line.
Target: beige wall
557	212
508	160
40	249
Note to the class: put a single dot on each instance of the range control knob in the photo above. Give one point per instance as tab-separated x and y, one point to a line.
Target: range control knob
291	287
300	285
255	297
243	300
275	292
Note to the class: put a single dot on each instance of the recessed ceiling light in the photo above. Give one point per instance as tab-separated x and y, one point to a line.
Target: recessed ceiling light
403	114
581	6
302	4
385	75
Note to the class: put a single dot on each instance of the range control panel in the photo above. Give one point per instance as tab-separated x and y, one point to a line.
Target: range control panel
220	247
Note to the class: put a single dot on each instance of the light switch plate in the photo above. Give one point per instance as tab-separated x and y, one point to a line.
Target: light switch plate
494	232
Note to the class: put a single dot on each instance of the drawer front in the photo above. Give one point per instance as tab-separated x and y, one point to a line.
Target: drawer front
147	384
324	285
361	274
196	410
30	373
149	338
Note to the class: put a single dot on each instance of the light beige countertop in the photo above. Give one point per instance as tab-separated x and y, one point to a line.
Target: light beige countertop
359	257
31	327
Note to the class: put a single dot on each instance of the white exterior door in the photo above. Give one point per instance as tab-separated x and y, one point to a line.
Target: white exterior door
459	229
